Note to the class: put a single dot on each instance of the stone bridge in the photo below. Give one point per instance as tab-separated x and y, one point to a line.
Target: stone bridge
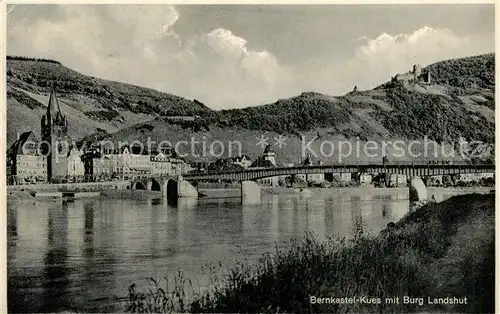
171	186
174	187
178	186
415	171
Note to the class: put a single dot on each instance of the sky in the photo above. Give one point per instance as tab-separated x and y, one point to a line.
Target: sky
245	55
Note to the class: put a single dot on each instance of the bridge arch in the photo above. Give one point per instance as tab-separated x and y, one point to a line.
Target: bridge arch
138	185
154	185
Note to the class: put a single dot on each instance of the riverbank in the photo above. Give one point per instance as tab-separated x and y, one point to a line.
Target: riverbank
440	251
440	193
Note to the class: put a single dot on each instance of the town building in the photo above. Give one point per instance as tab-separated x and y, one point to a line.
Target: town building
139	163
131	161
344	177
200	165
88	162
76	167
54	159
119	161
283	179
54	130
269	155
25	162
267	160
102	168
312	177
224	164
180	166
244	161
127	162
471	177
397	180
365	179
161	164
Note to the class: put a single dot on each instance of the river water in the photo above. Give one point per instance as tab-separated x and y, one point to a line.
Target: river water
82	255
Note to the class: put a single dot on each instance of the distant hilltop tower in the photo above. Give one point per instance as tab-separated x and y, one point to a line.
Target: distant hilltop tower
417	75
55	133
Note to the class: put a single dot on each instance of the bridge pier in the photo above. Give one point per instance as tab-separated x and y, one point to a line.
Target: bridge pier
418	190
185	189
174	188
250	192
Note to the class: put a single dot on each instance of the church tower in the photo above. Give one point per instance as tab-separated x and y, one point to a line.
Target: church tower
56	140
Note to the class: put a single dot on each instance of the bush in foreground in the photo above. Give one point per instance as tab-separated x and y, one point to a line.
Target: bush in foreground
440	250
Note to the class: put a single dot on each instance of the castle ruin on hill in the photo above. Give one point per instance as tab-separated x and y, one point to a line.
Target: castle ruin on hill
417	75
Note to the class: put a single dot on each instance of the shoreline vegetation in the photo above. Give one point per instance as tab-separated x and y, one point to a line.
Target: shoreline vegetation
440	252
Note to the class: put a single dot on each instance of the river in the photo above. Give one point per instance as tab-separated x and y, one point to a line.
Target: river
82	255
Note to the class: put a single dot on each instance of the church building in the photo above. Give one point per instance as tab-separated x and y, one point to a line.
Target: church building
54	130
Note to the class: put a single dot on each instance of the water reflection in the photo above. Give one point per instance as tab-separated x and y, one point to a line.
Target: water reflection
385	210
77	256
12	225
56	273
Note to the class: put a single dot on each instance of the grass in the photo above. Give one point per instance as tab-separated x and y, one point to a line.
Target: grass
444	249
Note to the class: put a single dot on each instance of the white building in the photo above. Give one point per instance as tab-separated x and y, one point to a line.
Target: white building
365	179
180	166
470	177
125	163
25	161
313	177
139	164
160	164
76	168
103	167
397	180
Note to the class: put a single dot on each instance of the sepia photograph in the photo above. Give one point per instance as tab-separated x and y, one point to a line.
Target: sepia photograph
249	158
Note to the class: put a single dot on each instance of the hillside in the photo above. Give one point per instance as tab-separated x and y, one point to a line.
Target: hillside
458	103
90	103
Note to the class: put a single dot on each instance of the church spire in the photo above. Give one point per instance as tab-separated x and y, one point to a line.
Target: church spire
53	107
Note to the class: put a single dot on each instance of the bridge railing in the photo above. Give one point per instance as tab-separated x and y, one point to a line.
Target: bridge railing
439	164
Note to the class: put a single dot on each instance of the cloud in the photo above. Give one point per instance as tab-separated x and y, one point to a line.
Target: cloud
424	45
115	42
228	74
375	60
226	44
137	44
146	23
